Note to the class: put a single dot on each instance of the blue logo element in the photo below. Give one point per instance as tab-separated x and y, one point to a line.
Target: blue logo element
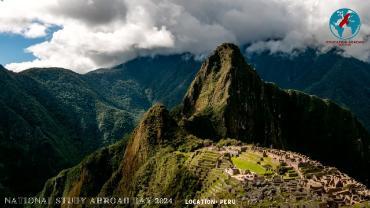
345	24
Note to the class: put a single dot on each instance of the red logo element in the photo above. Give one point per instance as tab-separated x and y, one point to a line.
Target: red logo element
345	20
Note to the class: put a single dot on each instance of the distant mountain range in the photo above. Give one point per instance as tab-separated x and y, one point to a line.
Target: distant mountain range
343	80
226	104
52	117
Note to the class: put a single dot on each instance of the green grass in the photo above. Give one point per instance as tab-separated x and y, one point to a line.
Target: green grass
248	161
248	165
269	161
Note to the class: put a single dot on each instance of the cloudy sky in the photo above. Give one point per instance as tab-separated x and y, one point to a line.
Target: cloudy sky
83	35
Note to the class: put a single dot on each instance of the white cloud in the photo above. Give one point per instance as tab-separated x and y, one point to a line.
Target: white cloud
101	33
85	50
35	30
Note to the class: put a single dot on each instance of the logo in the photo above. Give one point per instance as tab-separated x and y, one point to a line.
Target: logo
345	24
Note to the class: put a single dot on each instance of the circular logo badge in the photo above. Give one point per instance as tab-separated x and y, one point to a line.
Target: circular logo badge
345	24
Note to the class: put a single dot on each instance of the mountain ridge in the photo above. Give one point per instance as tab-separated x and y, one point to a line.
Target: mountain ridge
45	127
161	158
124	95
329	75
89	111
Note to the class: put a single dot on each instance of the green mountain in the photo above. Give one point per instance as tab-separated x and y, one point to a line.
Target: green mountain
185	154
146	80
228	99
51	118
342	79
27	128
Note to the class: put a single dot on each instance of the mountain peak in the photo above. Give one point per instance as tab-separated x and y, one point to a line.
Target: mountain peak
228	48
156	128
225	81
226	58
227	99
224	73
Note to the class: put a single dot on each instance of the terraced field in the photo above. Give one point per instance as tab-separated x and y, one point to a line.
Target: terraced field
203	161
279	181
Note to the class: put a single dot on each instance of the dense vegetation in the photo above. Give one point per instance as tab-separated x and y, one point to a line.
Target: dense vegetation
160	157
51	118
344	80
228	99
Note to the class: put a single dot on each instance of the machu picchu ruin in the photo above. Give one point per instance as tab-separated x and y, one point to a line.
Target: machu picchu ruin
256	176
